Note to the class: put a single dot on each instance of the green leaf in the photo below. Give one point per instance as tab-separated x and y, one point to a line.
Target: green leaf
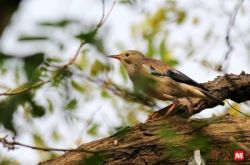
7	108
91	38
127	2
31	65
163	50
36	110
104	94
132	118
88	37
123	72
3	57
172	62
53	60
9	105
57	24
7	161
121	132
29	38
150	48
181	16
98	68
71	104
55	135
93	129
59	75
166	54
77	86
82	61
39	142
50	105
155	20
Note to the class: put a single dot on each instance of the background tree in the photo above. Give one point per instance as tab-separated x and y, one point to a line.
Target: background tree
49	89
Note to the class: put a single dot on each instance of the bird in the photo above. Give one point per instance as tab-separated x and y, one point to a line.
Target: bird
158	80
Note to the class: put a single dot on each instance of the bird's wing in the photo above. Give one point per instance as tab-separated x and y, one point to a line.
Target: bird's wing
158	68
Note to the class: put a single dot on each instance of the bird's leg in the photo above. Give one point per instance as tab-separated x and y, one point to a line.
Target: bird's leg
164	112
172	107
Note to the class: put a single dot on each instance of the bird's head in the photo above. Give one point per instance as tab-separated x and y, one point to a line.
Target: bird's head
129	57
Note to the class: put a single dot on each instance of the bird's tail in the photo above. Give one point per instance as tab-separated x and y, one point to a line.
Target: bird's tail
213	97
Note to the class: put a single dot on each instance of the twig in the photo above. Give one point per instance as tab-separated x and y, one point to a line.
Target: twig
236	109
70	62
228	36
12	144
118	91
23	90
104	18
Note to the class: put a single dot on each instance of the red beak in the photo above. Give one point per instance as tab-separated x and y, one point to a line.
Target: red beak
115	56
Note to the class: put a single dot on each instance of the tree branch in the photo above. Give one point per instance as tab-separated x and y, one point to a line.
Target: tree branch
228	37
229	86
155	141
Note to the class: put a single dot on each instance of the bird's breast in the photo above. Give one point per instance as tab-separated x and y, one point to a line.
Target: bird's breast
147	85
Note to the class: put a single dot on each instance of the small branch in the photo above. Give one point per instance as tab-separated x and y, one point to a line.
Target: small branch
119	91
237	110
11	145
70	62
104	19
228	36
23	90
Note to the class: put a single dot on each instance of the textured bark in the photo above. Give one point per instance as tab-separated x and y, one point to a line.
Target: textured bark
155	141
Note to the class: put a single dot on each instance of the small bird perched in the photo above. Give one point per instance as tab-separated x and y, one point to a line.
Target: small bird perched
160	81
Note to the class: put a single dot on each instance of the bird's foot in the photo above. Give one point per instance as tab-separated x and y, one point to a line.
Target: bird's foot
170	109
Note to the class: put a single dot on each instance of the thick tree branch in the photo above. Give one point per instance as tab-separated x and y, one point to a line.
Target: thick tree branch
229	86
155	141
142	145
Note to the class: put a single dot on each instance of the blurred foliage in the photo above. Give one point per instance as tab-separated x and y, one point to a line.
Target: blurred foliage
40	66
88	79
98	67
58	23
95	159
71	104
31	65
6	161
10	105
93	130
121	132
200	142
155	32
32	38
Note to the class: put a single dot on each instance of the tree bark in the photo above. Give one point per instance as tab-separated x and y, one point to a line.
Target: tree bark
171	138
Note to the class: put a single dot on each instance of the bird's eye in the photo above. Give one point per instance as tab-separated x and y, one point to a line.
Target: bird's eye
126	54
